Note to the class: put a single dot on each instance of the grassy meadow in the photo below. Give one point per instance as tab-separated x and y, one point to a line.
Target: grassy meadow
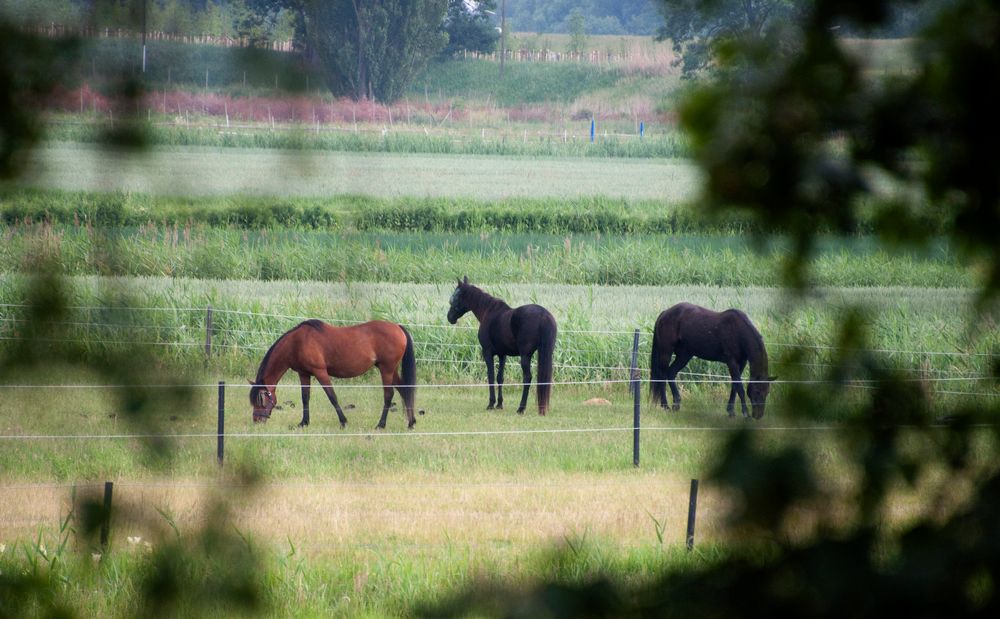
308	207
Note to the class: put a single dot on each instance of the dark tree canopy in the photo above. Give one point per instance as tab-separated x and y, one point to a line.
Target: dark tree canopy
373	49
601	16
693	26
470	27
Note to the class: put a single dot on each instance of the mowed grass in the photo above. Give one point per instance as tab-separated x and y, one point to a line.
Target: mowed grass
197	171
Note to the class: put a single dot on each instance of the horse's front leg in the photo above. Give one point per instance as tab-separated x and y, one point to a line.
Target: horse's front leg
324	379
680	360
305	379
488	358
526	373
500	367
736	388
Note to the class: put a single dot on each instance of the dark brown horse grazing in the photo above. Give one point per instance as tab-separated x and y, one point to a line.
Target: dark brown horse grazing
314	348
686	330
505	331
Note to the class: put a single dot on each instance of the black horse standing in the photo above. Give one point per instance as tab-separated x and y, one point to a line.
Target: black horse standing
686	330
507	331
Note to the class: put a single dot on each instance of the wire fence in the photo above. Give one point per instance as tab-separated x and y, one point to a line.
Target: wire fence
585	357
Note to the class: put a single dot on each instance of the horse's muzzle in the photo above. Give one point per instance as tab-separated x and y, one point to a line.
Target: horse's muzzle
260	418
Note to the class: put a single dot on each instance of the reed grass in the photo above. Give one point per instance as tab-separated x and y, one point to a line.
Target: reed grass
368	256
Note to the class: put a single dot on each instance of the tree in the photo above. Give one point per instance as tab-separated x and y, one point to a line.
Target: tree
692	26
577	32
470	27
373	50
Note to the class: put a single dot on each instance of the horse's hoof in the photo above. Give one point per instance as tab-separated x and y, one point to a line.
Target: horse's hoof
349	407
676	407
343	424
520	411
380	426
490	407
500	406
303	424
420	412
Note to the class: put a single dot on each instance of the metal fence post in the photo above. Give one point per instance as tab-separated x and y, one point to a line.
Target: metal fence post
634	376
106	522
221	436
692	510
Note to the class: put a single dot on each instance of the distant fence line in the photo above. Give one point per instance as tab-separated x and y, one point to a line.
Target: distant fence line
593	56
61	30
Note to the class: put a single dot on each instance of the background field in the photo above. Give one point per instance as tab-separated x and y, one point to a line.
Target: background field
198	172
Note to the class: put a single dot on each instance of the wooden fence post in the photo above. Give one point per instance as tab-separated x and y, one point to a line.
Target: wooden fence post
208	333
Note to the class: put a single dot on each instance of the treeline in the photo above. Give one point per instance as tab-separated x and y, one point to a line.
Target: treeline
219	18
599	16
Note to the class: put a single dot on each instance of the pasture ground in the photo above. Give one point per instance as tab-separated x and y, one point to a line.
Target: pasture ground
197	171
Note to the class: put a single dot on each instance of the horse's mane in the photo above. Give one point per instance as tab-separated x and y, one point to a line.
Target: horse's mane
258	382
481	297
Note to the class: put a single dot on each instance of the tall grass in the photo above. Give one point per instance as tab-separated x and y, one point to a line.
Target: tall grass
594	214
608	260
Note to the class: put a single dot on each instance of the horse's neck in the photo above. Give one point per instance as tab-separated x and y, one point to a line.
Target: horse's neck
483	304
272	373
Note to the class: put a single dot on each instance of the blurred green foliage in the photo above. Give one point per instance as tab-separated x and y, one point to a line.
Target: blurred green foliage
790	132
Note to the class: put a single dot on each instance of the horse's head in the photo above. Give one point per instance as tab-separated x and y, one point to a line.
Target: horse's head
458	307
263	402
757	390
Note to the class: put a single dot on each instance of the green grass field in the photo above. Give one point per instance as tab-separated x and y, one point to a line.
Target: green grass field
114	382
200	171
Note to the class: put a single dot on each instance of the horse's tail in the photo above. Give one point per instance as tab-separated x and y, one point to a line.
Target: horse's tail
546	346
408	374
657	371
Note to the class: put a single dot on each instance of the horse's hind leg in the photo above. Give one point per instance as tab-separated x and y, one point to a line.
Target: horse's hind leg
304	379
387	380
406	392
324	379
488	358
526	372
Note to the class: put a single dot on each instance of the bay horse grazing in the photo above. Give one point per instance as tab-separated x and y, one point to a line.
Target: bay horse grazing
316	349
686	330
505	331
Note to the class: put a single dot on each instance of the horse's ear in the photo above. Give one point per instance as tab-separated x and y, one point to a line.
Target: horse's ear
771	379
466	279
252	384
